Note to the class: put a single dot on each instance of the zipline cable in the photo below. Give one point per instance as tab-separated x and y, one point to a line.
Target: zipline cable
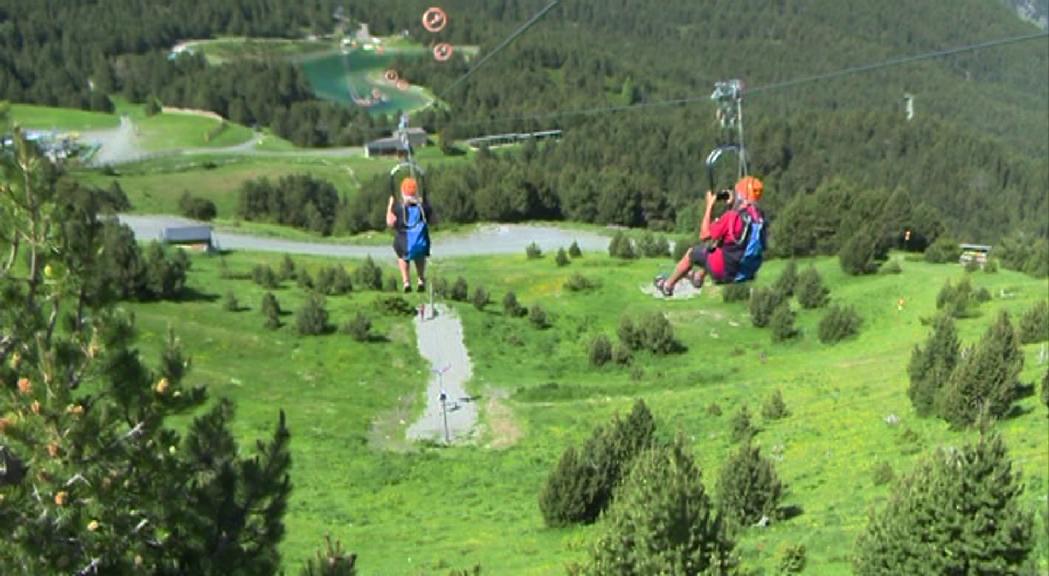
524	28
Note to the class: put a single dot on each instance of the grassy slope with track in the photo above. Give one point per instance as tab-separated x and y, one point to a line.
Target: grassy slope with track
425	511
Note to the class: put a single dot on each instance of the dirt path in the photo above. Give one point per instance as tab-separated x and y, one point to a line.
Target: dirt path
440	340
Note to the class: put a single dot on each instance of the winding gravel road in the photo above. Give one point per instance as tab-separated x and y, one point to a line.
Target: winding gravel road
490	239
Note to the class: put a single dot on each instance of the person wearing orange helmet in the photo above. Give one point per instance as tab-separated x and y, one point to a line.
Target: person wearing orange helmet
720	249
409	220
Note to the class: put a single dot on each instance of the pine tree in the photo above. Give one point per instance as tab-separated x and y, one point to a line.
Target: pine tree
359	328
111	487
230	303
460	290
480	298
985	382
958	512
574	250
312	319
763	303
331	561
657	335
270	308
537	316
782	323
931	366
287	268
774	408
788	279
810	289
511	307
368	276
742	429
1034	324
861	252
562	258
748	489
839	323
600	351
662	521
583	483
568	494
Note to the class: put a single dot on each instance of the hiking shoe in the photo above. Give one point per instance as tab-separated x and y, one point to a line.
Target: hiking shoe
407	288
420	287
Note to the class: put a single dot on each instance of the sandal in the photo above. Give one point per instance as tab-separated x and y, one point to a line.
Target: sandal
665	289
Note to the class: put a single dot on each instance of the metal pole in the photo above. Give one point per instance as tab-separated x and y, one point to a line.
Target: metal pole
444	410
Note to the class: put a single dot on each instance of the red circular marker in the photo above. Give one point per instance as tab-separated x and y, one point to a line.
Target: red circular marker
443	52
391	76
402	85
434	19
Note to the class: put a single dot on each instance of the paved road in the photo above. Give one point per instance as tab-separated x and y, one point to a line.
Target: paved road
440	341
490	239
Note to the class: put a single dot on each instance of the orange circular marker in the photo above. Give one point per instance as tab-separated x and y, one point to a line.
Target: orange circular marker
434	19
443	52
402	85
391	75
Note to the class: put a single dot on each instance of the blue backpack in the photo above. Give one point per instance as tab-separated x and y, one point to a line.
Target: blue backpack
418	236
753	245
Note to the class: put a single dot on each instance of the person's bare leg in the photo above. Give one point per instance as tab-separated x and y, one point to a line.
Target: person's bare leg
420	270
683	266
405	272
700	276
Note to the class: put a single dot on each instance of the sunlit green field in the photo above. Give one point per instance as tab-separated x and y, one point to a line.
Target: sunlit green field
62	119
426	510
156	186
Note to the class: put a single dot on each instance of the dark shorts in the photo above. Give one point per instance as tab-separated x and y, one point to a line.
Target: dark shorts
701	256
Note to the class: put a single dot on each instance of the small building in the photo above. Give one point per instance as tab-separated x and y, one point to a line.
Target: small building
392	145
977	253
189	237
496	140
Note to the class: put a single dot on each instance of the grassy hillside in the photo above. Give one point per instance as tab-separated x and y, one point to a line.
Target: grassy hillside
429	509
61	119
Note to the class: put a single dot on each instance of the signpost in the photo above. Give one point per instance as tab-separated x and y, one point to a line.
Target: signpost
444	400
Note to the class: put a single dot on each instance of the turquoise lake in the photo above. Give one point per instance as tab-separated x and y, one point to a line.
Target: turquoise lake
345	77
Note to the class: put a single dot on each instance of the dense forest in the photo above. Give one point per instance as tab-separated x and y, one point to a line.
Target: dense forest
975	149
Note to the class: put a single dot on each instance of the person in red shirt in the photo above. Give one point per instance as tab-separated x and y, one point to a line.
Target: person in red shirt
709	255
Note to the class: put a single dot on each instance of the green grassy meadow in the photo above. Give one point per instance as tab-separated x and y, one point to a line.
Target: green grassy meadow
154	187
425	509
172	131
62	119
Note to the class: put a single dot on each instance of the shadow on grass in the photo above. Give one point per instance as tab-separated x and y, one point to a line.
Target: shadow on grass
790	512
192	295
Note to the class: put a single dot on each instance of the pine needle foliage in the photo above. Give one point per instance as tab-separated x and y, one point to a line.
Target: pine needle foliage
958	512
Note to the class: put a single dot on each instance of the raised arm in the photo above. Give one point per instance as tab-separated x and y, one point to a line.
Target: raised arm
391	218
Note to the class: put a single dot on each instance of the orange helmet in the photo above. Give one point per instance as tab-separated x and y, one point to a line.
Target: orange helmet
409	187
750	188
